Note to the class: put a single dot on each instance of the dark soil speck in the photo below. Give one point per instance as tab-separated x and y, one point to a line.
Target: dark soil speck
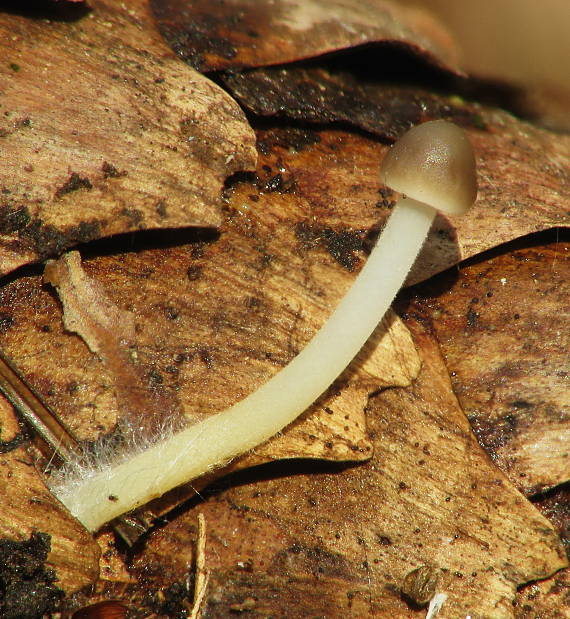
27	589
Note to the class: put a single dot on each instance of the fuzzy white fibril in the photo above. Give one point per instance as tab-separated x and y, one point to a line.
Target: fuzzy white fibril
97	494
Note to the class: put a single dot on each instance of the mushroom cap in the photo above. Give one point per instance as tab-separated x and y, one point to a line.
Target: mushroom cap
434	164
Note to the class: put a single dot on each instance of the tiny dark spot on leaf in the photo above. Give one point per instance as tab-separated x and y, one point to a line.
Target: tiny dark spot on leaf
74	183
6	321
206	358
194	272
110	171
161	208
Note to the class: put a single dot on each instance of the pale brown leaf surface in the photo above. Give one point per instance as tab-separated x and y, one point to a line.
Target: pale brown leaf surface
213	35
339	542
503	326
28	506
103	130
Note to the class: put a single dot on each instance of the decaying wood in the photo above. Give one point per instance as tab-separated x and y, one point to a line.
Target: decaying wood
213	35
512	312
103	130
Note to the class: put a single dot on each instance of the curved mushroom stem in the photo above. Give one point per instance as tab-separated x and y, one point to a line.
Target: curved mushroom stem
98	496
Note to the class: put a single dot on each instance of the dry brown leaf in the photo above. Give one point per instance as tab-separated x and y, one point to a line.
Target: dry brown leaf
503	326
214	34
339	543
28	506
103	130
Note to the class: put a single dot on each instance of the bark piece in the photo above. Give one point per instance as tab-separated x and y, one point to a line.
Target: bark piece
322	95
105	131
28	506
213	35
512	312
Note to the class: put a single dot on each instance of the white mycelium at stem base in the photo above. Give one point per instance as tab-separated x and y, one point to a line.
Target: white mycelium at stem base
97	496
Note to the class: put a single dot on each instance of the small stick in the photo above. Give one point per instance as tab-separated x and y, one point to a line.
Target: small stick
35	412
202	575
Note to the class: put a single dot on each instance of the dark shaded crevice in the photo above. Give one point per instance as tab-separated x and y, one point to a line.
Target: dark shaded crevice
142	240
551	493
535	239
54	10
22	438
392	64
128	242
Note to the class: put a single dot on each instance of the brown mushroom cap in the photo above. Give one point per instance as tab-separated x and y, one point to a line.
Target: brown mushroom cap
434	164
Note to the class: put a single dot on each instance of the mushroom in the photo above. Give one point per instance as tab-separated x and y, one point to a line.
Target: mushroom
433	164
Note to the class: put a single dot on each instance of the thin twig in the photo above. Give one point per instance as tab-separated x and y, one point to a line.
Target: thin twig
35	412
202	574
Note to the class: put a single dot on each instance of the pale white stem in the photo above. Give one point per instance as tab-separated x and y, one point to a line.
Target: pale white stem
192	452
